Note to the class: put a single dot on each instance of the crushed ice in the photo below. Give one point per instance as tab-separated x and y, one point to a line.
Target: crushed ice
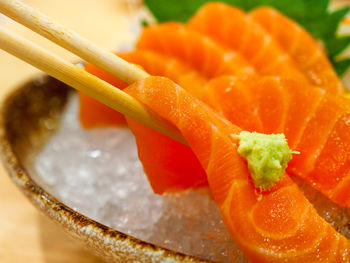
97	173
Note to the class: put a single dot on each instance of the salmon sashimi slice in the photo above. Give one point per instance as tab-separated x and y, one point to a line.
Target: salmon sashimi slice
94	114
229	96
316	133
169	165
318	124
331	171
308	54
254	104
302	106
273	226
203	54
170	67
315	123
235	30
272	103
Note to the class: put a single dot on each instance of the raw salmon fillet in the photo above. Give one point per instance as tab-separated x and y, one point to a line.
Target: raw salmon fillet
156	151
315	123
237	31
206	56
246	46
94	114
309	55
273	226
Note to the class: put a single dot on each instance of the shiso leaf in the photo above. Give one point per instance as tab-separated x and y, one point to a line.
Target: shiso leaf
342	66
313	15
337	45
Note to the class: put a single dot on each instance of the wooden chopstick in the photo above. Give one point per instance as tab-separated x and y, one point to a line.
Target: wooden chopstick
70	40
85	82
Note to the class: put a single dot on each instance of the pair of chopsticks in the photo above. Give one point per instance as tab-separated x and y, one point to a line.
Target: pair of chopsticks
73	75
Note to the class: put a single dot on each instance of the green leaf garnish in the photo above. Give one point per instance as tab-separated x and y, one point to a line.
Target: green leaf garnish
336	45
144	23
313	15
342	66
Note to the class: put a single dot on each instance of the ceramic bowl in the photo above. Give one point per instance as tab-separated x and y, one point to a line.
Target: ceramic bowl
24	129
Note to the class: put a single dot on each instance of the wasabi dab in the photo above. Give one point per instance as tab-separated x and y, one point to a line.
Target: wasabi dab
267	155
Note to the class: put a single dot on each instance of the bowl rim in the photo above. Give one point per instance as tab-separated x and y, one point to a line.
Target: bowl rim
71	220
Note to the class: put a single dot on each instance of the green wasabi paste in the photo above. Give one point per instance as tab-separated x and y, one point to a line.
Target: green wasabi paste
267	156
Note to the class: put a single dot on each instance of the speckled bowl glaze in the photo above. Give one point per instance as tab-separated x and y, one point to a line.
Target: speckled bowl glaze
29	115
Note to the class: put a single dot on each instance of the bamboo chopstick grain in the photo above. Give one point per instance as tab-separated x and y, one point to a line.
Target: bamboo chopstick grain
81	80
70	40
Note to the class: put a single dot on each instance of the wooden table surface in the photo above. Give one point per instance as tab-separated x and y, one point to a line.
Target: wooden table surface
25	234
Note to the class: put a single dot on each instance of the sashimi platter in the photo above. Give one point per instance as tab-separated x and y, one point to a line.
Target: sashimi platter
238	76
255	88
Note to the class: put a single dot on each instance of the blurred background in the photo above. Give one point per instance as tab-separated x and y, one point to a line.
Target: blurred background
25	235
